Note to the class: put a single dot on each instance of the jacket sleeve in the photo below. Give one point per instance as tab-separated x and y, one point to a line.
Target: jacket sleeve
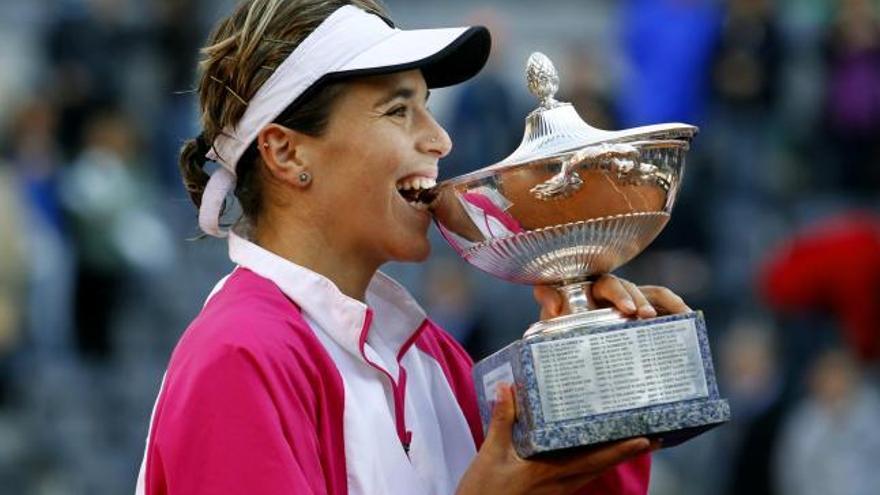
219	430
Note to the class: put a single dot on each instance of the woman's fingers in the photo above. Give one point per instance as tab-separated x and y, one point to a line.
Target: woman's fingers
550	300
645	309
607	456
582	468
500	431
645	301
497	468
665	300
612	290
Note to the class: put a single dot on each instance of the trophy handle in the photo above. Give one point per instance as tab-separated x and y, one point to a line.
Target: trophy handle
562	184
621	157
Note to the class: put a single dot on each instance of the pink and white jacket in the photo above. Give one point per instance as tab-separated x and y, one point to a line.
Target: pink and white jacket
284	385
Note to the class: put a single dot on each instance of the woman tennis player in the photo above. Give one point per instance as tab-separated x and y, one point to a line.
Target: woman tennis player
308	371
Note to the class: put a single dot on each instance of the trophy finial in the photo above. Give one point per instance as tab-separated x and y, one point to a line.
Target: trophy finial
543	79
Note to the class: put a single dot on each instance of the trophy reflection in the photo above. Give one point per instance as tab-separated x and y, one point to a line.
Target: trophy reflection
573	202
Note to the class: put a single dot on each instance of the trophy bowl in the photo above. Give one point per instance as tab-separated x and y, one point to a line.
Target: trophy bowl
570	203
563	219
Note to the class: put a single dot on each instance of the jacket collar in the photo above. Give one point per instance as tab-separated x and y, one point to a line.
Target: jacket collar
388	323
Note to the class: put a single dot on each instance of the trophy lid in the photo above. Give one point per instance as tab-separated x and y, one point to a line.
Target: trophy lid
555	127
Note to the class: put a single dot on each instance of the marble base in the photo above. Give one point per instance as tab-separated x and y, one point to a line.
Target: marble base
594	384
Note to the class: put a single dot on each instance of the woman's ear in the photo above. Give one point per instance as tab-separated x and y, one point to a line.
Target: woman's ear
278	148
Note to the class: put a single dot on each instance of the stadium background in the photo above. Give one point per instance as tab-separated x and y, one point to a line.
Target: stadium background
776	235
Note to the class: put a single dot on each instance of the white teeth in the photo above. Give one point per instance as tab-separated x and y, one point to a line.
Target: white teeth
417	183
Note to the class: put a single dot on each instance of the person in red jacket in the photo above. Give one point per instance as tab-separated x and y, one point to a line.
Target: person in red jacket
833	265
308	371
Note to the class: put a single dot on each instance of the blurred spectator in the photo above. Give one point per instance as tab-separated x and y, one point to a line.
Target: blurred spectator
34	156
853	96
115	231
484	126
752	379
746	72
13	270
33	150
585	85
668	46
86	47
830	443
177	41
740	161
748	57
832	266
737	457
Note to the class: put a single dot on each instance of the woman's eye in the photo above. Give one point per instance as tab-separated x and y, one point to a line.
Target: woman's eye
399	111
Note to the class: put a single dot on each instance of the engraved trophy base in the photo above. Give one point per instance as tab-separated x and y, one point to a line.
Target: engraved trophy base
607	380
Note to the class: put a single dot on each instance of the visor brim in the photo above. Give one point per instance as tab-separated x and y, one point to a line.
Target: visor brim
445	56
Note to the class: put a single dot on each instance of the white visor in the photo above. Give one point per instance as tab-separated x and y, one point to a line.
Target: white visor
349	43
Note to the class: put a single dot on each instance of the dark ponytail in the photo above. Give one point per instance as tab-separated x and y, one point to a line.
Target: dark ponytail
192	163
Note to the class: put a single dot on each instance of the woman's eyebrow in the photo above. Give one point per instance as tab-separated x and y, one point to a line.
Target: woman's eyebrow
401	92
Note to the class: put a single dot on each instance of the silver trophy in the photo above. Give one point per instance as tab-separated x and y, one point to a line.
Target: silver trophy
573	202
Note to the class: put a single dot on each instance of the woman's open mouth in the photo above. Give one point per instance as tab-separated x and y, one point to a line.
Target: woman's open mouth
419	192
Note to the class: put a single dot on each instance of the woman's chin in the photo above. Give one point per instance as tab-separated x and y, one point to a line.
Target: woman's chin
413	251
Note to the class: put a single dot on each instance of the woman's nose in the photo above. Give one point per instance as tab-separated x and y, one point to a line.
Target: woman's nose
435	140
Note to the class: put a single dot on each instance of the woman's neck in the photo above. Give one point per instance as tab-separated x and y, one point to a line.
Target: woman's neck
310	249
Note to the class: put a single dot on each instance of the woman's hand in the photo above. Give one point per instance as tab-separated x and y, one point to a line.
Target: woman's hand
498	469
645	301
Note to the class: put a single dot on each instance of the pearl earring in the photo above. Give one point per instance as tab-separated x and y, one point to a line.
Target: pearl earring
305	178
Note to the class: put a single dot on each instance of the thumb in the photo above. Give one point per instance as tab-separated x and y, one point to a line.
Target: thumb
503	415
550	301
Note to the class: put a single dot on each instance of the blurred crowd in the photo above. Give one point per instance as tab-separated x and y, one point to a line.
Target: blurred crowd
776	234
